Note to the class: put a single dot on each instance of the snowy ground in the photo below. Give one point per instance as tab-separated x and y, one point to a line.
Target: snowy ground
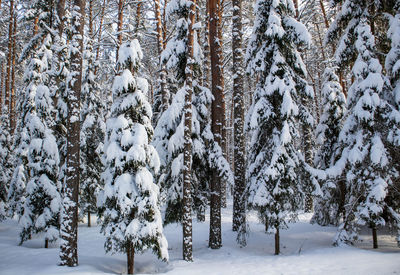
306	249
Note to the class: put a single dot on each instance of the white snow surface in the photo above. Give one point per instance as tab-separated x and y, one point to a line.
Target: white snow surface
306	249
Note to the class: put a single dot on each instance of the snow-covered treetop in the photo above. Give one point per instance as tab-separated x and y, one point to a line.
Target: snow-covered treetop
274	21
130	54
365	96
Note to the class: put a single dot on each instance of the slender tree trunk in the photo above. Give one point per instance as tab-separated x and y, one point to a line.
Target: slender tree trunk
103	7
374	238
277	242
223	144
61	15
187	154
2	77
326	21
90	19
9	57
206	52
12	99
163	72
36	26
296	8
165	24
46	243
218	111
69	222
120	23
239	210
138	16
130	254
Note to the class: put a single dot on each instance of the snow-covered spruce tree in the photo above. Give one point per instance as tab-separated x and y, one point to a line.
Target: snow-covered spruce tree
5	164
43	201
392	65
275	173
34	75
91	137
363	138
329	207
169	133
132	218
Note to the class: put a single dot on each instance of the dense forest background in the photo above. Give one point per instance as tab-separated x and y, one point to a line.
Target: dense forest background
146	113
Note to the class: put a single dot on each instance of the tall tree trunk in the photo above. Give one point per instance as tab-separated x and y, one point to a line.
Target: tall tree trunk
9	57
206	52
296	8
90	19
277	242
46	243
12	99
218	111
2	78
120	23
239	214
138	17
163	72
326	21
187	154
103	7
69	222
60	15
36	26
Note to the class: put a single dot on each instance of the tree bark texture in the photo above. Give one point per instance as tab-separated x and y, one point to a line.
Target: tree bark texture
218	121
61	15
12	90
103	8
206	52
9	58
163	72
239	214
120	23
187	154
69	222
223	144
2	78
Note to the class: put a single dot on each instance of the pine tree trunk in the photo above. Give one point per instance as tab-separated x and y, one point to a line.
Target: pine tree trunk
103	7
239	211
130	254
12	99
206	51
187	154
69	221
61	15
138	16
89	224
374	238
9	57
163	72
2	78
218	111
223	143
120	23
46	243
277	242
